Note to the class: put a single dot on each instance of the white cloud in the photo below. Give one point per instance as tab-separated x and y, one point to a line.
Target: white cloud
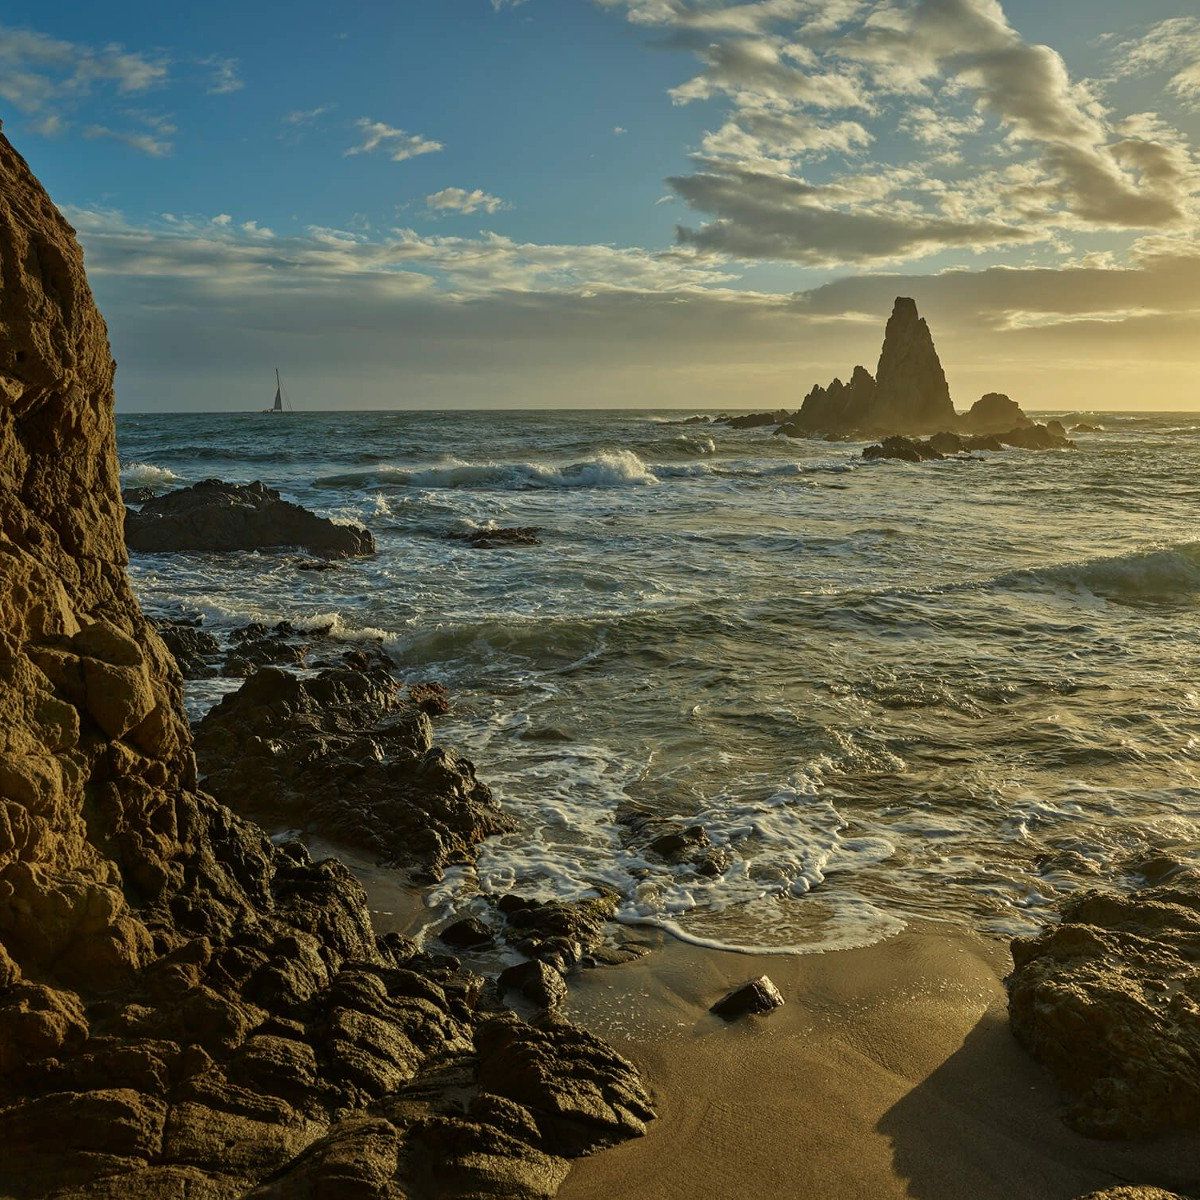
39	74
398	144
1172	46
154	139
618	130
459	200
225	75
307	116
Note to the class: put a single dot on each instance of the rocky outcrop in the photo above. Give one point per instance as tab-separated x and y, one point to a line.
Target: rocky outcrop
185	1007
1109	1000
840	407
911	392
216	516
1038	437
1134	1193
345	755
994	413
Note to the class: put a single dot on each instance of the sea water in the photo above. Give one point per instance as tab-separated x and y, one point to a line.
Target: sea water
956	690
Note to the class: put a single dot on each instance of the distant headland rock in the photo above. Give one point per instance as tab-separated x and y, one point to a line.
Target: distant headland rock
908	396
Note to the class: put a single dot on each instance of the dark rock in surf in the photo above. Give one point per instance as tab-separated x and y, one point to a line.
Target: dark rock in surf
1109	1001
677	842
758	997
343	755
216	516
195	651
994	413
431	698
1056	428
469	933
755	420
535	981
902	448
1037	437
256	646
1084	427
564	934
138	495
498	539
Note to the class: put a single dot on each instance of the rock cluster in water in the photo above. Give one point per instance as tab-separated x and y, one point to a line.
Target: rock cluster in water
187	1008
906	397
215	516
1109	1000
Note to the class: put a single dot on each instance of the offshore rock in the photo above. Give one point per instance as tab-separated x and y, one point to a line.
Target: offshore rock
186	1008
1038	437
216	516
498	539
911	393
342	754
1109	1000
995	413
193	649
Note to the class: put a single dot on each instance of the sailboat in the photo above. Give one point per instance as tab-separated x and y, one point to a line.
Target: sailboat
278	406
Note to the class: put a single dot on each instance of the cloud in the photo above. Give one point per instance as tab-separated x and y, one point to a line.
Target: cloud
398	144
1172	46
40	74
618	130
154	139
307	116
769	216
807	81
225	76
459	200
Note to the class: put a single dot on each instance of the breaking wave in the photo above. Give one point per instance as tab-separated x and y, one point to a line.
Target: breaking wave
140	474
1161	573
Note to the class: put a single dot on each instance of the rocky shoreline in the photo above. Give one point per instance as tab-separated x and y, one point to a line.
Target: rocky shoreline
190	1007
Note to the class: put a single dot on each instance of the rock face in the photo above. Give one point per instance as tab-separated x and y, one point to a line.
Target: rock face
1109	1000
212	515
343	754
185	1008
995	413
911	393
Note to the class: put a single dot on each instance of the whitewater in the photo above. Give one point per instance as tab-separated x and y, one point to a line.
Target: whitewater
954	690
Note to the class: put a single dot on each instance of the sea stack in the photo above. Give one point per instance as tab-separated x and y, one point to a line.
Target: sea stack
185	1006
911	392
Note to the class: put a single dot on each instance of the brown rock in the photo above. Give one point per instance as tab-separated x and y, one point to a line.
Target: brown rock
1109	1000
185	1008
758	996
994	413
216	516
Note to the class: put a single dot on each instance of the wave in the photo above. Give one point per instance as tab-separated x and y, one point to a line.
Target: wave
1155	574
608	469
140	474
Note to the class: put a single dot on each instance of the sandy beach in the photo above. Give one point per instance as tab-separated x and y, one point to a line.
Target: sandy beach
890	1072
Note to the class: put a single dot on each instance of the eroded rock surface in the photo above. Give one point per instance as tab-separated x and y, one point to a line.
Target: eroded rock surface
217	516
345	755
187	1009
1109	1000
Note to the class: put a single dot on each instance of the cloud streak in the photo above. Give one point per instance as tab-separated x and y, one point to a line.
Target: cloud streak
398	144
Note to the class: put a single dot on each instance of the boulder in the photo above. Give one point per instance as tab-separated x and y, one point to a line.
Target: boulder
187	1008
755	420
469	933
994	413
1109	1000
902	448
1037	437
758	997
536	981
342	754
216	516
431	698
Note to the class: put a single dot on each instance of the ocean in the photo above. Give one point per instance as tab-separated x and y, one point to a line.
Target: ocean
955	690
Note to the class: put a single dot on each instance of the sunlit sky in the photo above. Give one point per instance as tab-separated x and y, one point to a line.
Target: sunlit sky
592	203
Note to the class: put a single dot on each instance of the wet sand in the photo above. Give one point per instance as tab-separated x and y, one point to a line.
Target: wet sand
890	1073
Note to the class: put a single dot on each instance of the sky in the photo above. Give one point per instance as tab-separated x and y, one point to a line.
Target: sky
603	203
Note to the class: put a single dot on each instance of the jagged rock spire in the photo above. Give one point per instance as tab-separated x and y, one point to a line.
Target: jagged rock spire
911	393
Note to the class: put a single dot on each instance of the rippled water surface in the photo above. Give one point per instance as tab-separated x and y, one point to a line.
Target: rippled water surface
954	689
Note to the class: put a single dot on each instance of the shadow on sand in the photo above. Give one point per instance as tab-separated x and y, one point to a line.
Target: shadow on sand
986	1125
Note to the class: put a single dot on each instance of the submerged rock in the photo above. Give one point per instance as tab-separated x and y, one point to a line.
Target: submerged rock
185	1007
759	996
498	539
904	449
341	754
1109	1000
216	516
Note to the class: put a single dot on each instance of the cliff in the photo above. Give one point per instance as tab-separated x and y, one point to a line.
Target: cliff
186	1008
